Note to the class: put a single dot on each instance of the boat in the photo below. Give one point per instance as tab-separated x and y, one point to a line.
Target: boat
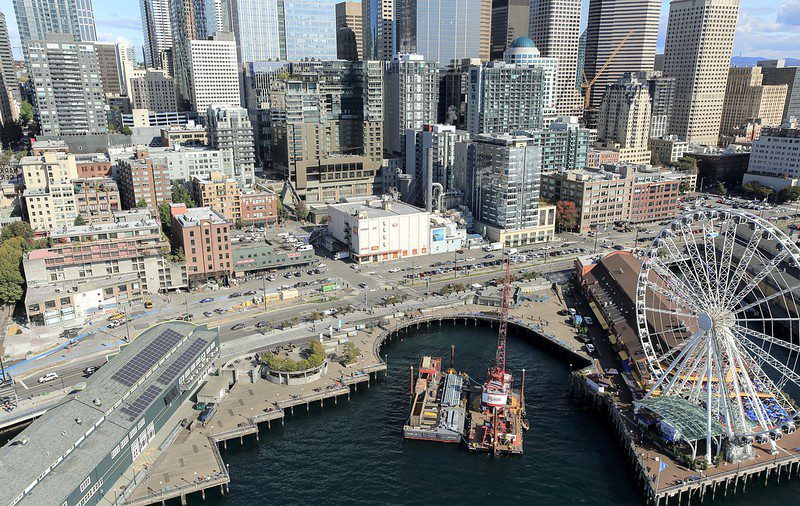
438	403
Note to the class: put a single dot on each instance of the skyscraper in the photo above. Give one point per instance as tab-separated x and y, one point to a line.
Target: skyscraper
187	18
747	98
441	141
377	17
697	54
66	83
555	27
10	95
411	96
37	18
523	50
255	23
510	20
110	73
662	96
157	30
349	31
444	30
229	128
213	72
610	21
776	72
624	119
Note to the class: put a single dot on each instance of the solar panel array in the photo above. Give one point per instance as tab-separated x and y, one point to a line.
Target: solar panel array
137	407
182	361
134	369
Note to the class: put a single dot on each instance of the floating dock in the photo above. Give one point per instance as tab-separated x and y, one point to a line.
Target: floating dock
497	429
438	405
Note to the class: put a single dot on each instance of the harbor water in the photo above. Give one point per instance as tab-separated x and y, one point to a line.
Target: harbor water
355	453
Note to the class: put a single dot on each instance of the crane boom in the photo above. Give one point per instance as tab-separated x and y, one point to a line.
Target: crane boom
587	85
500	354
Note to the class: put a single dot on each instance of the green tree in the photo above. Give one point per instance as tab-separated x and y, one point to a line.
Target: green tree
79	221
302	210
566	215
789	194
351	352
166	219
125	130
16	229
26	113
684	187
239	223
141	203
181	195
721	189
11	278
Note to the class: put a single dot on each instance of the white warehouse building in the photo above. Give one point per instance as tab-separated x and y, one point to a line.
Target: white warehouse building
377	229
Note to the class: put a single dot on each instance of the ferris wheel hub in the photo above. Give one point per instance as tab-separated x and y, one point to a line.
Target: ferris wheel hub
705	322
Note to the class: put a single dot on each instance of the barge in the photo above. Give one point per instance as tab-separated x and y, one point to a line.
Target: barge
438	404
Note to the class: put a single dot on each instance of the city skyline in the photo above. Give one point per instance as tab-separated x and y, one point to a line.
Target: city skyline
764	29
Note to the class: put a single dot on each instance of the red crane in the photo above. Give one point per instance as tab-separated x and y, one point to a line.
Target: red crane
500	355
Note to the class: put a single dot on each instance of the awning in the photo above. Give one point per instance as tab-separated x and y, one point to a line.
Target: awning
598	315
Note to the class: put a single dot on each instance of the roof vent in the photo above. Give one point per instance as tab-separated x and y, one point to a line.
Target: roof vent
78	421
96	401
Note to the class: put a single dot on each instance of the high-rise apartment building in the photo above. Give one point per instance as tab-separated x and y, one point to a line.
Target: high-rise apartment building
564	143
10	96
256	24
65	78
776	72
153	90
38	18
157	30
378	21
609	22
510	19
503	177
624	120
774	157
143	182
697	54
229	129
325	131
431	147
555	27
523	51
213	70
411	95
445	30
747	98
453	93
218	16
235	204
349	31
110	73
662	96
503	97
49	195
187	18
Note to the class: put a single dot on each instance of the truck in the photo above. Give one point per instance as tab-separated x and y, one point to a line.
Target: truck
511	251
495	246
341	255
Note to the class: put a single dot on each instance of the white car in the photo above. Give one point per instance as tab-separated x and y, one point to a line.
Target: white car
48	377
470	259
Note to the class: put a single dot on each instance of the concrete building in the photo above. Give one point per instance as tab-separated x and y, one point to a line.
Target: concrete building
126	403
146	118
747	98
378	229
349	31
38	18
446	235
720	165
269	253
411	95
97	199
188	24
609	21
111	79
492	89
444	31
377	17
157	30
743	135
10	95
555	29
65	79
775	158
624	121
697	54
667	149
143	182
453	93
258	207
523	51
229	129
153	90
615	194
564	143
776	72
99	255
204	236
662	96
596	158
235	204
182	162
49	195
325	131
437	142
503	176
190	134
214	76
510	19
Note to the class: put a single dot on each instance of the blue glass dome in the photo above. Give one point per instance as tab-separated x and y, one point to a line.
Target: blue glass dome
522	42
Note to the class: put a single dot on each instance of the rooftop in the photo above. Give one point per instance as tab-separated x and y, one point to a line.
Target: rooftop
194	215
375	207
66	444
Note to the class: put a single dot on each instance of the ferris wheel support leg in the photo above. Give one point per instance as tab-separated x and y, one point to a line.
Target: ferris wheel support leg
694	340
708	406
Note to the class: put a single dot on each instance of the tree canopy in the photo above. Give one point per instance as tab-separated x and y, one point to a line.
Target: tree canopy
566	215
181	195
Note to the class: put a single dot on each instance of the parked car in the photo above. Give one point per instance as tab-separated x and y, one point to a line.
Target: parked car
48	377
249	293
262	324
208	314
90	370
219	310
234	295
238	326
207	299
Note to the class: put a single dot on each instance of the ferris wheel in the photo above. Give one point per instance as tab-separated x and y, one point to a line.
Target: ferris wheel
719	322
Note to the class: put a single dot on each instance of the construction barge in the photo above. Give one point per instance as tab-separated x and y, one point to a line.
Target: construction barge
497	417
438	404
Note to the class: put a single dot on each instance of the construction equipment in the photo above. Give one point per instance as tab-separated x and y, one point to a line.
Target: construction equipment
587	85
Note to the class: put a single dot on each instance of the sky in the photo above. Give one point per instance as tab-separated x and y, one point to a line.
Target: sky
766	28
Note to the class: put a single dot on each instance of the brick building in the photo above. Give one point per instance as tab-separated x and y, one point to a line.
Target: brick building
204	236
142	181
97	199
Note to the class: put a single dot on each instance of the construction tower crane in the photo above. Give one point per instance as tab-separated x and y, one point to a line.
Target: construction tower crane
587	85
